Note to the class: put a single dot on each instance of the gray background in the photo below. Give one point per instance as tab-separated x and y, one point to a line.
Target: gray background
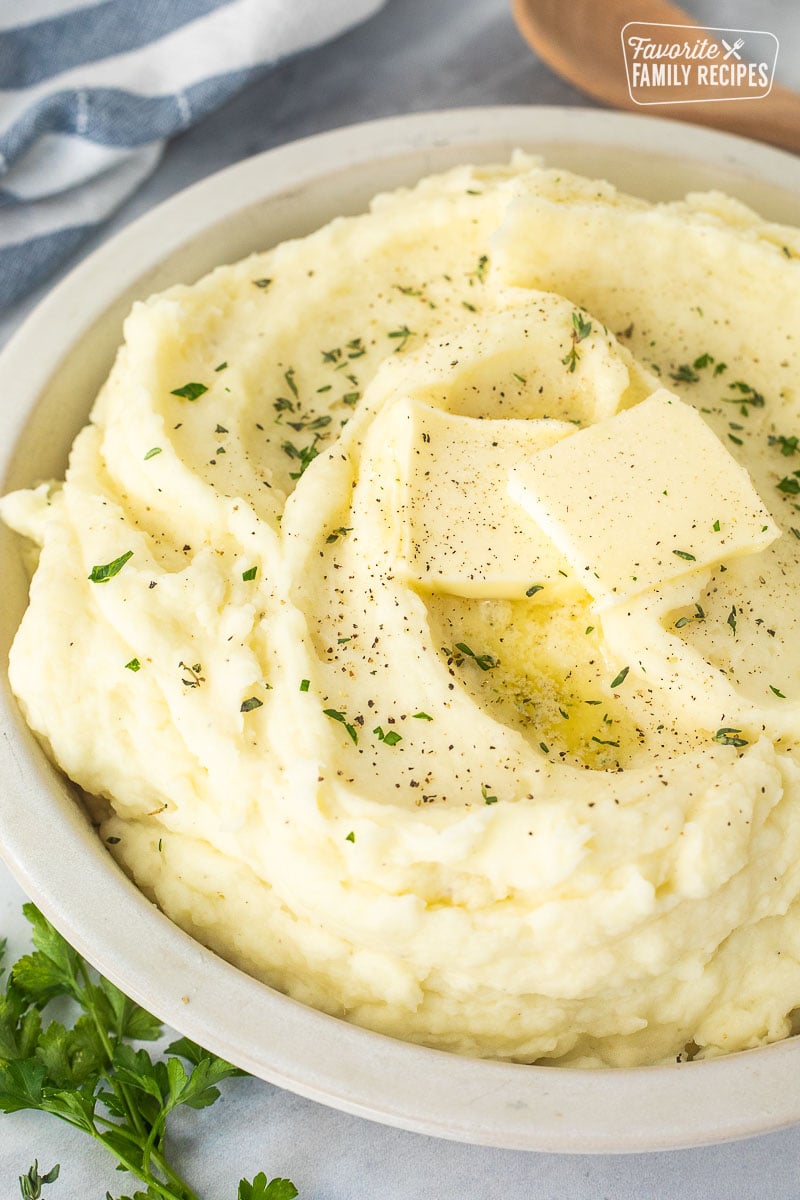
414	55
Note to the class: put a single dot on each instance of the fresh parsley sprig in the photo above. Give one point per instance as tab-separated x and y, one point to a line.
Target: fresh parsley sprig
95	1075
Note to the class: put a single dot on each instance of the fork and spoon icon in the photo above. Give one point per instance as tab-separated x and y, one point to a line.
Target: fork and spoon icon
734	49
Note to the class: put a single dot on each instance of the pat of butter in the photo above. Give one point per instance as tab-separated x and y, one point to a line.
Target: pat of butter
460	532
644	497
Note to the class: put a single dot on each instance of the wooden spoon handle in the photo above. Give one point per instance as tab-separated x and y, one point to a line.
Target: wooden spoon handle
774	119
581	41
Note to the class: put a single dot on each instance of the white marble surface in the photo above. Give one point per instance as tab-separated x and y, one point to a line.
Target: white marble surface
414	55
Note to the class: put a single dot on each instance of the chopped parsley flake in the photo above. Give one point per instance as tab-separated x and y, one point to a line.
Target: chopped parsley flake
262	283
290	383
152	453
488	798
401	335
534	588
747	397
685	373
335	534
486	662
422	716
788	445
305	456
220	367
195	674
351	837
390	738
249	574
730	737
133	665
305	684
776	692
623	675
102	574
335	715
685	554
250	703
190	391
580	330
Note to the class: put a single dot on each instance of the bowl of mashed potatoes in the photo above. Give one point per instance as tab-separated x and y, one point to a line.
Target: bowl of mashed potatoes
402	646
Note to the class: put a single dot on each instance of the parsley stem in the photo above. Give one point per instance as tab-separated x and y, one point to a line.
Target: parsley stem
179	1185
180	1190
119	1088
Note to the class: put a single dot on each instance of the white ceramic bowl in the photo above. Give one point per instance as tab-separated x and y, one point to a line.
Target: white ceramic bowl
49	375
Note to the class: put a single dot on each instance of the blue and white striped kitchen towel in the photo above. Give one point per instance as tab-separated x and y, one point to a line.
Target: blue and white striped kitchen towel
89	93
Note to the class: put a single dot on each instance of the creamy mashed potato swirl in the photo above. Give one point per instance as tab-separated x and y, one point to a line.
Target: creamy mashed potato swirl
348	701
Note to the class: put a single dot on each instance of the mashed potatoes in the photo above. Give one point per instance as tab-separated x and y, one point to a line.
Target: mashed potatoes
420	609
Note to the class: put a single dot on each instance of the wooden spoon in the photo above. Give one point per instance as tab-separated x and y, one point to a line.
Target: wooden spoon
580	39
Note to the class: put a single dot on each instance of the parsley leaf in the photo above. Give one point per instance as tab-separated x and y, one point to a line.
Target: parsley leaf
260	1189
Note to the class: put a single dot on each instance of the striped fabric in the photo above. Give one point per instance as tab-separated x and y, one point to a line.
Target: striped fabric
89	93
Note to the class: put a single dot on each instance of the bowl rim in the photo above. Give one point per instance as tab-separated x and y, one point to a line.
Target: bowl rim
92	903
